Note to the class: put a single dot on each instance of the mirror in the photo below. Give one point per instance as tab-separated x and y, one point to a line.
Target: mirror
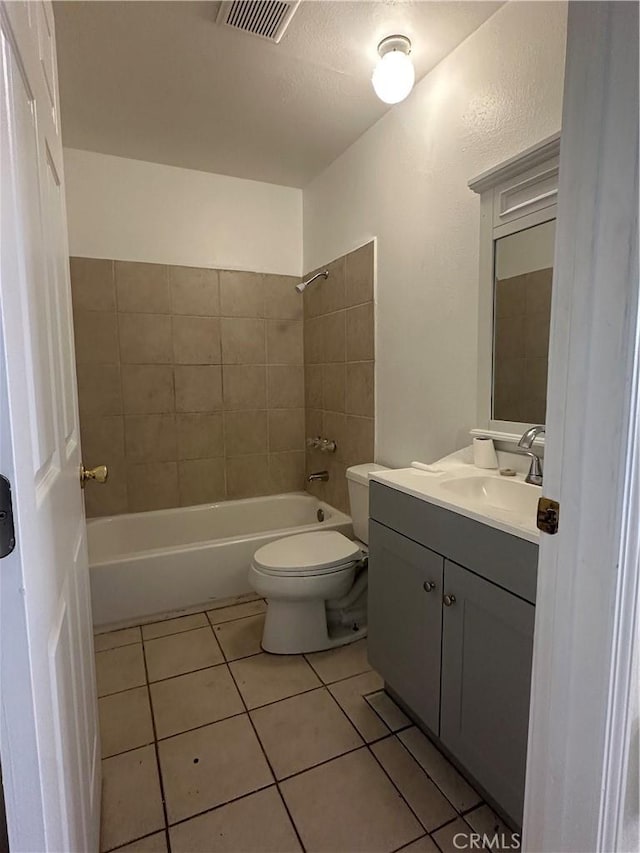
523	270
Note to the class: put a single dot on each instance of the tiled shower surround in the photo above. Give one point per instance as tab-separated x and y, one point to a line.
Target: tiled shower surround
191	383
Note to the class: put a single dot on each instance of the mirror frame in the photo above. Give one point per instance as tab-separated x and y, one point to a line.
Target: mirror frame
515	195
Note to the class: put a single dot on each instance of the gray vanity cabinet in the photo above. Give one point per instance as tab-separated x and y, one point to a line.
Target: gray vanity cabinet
405	619
487	644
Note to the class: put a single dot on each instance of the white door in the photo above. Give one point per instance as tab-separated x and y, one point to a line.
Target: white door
49	743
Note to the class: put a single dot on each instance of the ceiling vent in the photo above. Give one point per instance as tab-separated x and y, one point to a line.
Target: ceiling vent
267	19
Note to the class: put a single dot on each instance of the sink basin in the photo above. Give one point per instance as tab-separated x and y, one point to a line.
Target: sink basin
512	496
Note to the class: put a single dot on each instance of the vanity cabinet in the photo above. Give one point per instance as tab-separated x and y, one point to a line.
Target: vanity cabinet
405	619
458	654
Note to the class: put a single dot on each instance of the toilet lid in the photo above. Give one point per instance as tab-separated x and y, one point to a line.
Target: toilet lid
308	552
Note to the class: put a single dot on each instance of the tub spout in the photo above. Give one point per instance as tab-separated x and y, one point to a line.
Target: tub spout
318	476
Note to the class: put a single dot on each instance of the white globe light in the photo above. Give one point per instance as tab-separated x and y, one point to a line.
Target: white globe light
393	77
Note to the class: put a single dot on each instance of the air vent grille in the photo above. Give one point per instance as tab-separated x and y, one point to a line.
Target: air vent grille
267	19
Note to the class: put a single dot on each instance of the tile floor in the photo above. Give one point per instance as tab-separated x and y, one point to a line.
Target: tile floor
209	744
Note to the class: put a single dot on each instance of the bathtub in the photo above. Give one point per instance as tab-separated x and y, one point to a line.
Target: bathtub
150	563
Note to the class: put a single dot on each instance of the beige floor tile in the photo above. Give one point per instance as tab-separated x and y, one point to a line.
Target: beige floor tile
453	837
125	721
386	708
131	798
457	790
156	843
350	694
193	700
349	804
236	611
267	678
255	824
120	669
302	731
180	653
240	638
342	662
485	821
210	766
174	626
422	845
115	639
432	808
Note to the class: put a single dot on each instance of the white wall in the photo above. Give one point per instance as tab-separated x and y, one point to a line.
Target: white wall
526	251
405	181
137	211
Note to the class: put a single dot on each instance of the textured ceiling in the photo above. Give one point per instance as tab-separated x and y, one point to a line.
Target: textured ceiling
161	81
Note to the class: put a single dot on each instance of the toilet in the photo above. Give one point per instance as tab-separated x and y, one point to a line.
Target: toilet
316	583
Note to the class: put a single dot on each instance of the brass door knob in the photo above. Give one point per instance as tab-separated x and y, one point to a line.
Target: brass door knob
100	474
449	600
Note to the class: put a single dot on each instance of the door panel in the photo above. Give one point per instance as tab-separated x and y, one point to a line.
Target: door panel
405	620
487	645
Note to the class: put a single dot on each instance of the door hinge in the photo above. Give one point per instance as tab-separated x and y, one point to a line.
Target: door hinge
548	515
7	532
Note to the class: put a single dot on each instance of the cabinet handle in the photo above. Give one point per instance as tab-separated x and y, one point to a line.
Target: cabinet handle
449	600
428	586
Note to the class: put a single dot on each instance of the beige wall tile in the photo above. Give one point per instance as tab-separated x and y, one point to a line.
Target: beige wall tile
198	388
282	301
358	445
200	436
286	472
92	284
99	391
312	297
313	342
359	392
360	333
108	498
538	291
359	275
247	476
150	438
337	491
286	430
145	338
142	287
147	389
536	336
314	425
334	428
102	439
242	294
510	296
334	336
332	292
152	485
245	386
196	340
201	481
285	387
243	341
194	291
313	386
509	337
245	432
96	337
333	387
284	342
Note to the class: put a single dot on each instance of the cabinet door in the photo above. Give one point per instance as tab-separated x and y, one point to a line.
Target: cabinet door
487	644
405	619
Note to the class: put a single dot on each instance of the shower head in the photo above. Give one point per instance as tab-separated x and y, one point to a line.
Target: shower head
303	284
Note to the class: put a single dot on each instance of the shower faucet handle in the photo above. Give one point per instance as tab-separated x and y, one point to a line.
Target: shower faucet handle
324	445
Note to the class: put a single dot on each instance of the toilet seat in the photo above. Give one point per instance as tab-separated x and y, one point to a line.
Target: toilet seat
318	553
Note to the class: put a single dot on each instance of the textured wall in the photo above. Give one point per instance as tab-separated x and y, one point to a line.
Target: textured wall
339	352
405	182
191	383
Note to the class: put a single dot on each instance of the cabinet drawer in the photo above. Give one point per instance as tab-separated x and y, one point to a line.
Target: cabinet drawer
506	560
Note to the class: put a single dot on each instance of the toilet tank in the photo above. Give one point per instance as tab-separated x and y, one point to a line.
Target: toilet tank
358	482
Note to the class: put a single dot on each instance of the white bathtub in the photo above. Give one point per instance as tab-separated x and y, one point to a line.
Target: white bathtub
149	563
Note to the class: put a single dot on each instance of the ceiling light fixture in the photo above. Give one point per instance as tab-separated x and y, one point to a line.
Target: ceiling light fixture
394	75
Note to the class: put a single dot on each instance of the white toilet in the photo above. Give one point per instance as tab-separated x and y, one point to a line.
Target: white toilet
316	583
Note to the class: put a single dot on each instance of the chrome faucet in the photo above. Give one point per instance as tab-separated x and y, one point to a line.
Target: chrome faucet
535	470
319	476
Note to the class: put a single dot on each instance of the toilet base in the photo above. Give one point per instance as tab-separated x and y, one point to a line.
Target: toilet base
298	627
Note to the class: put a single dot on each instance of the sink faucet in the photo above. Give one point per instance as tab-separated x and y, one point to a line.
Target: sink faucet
535	470
319	476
